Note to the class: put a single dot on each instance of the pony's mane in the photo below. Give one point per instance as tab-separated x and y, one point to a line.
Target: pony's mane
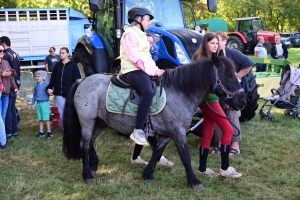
195	76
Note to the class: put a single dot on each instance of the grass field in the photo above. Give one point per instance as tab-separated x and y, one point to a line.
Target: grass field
35	168
294	56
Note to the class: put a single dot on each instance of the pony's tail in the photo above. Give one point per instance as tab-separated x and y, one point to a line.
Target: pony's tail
72	128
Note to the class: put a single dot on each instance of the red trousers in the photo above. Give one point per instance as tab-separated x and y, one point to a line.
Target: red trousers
210	118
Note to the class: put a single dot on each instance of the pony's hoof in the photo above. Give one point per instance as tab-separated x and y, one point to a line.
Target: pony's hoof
89	181
93	173
198	187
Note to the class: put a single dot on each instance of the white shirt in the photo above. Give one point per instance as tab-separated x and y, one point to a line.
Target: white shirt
262	51
279	50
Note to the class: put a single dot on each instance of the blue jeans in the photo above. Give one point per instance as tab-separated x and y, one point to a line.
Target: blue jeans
11	122
261	67
2	127
3	106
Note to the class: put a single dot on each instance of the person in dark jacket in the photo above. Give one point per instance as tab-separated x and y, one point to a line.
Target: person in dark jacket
279	51
11	122
243	65
64	74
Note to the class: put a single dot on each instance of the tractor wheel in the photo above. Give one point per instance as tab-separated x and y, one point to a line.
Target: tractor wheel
235	42
268	47
83	60
250	86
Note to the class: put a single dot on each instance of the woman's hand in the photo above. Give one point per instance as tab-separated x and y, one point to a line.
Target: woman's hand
16	91
6	73
159	72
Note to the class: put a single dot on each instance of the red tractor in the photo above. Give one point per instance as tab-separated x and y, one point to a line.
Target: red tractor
247	29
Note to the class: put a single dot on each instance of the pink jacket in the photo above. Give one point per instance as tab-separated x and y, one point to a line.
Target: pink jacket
135	53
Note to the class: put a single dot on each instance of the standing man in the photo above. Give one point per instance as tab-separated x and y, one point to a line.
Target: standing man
51	60
243	65
260	52
11	121
279	51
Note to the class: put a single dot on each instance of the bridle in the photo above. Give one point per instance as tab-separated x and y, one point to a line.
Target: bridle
229	95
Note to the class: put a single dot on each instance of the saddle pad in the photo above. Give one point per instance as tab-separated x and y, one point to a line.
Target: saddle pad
116	96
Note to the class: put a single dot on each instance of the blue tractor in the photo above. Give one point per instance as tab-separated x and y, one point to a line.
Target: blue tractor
174	26
97	51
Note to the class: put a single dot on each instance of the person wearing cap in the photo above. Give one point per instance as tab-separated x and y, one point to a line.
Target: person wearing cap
40	103
137	65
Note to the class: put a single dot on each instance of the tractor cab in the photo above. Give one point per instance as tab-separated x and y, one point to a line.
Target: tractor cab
249	26
175	42
247	29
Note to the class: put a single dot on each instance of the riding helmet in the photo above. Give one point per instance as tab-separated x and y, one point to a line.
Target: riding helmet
138	11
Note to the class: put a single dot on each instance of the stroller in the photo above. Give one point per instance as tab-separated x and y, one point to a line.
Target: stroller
286	96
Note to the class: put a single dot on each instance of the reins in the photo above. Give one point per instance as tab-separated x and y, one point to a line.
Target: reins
229	95
224	116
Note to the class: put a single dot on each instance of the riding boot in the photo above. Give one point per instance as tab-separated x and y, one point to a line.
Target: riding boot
225	149
203	159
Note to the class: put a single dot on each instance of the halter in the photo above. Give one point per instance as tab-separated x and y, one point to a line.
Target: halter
219	83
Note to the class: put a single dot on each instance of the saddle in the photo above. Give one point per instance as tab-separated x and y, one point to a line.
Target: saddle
134	96
120	81
124	99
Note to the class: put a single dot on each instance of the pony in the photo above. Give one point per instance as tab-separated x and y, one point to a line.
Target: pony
85	114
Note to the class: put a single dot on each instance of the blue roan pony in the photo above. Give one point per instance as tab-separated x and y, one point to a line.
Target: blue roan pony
86	116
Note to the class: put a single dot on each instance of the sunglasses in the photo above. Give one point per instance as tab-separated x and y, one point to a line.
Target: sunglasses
50	51
2	51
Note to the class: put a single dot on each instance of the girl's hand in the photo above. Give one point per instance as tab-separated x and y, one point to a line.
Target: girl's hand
16	91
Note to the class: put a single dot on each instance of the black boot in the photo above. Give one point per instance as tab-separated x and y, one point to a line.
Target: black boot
203	159
225	149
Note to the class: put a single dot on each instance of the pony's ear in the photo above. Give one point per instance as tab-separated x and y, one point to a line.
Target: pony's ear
215	59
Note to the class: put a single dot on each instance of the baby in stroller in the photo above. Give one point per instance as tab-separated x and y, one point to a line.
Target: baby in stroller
286	96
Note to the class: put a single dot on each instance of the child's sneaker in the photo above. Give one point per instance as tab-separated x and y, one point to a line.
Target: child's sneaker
138	160
230	173
139	137
49	135
40	135
208	172
164	162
